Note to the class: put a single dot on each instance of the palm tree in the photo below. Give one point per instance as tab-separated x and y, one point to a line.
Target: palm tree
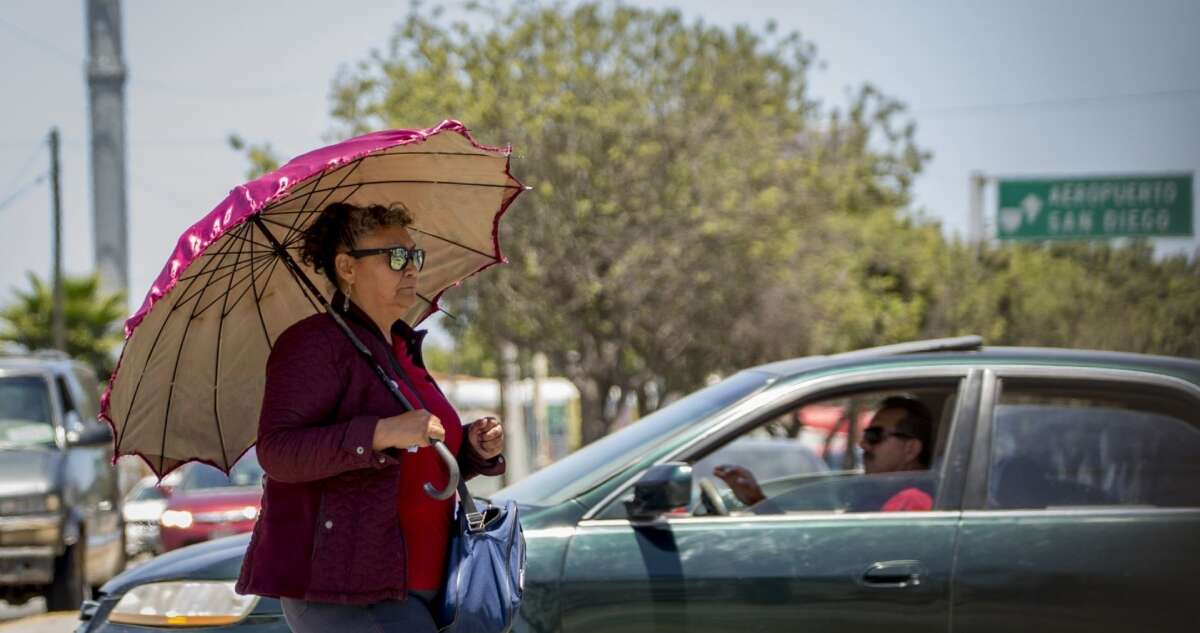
92	318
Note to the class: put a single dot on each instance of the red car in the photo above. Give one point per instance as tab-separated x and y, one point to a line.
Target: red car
207	505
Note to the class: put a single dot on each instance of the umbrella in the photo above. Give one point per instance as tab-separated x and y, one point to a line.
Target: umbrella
189	383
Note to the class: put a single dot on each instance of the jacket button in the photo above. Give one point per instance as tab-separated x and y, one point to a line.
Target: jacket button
382	460
359	450
329	525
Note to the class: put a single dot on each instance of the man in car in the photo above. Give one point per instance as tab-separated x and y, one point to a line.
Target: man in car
898	440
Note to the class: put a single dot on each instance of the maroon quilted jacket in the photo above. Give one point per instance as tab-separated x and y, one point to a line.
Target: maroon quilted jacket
329	529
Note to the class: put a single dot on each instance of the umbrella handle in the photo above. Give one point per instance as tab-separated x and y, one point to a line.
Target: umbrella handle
451	465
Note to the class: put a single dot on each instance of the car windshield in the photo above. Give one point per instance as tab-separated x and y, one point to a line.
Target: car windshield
146	492
246	472
25	411
591	465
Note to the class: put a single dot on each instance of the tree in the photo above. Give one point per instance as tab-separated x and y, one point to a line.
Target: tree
675	167
262	156
92	318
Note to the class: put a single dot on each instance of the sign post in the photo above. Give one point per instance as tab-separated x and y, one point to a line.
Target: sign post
1094	207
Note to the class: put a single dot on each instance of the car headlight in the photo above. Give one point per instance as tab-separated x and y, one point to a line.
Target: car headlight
183	603
29	504
176	519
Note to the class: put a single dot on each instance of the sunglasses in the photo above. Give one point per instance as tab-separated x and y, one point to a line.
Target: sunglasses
398	256
875	434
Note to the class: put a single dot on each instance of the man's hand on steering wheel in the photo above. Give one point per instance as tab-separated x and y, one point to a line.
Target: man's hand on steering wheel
741	481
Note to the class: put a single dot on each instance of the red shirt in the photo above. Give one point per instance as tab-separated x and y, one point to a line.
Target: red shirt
908	500
425	521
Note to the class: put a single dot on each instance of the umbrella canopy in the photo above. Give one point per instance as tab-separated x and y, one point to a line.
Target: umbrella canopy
189	384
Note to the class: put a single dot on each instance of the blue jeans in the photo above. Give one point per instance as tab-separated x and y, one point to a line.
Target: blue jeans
389	616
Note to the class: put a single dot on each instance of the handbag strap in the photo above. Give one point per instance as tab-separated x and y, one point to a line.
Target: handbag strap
466	501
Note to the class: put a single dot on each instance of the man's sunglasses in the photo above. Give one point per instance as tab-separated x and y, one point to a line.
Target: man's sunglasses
875	434
398	256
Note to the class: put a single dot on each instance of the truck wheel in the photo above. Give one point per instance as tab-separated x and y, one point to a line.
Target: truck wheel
69	588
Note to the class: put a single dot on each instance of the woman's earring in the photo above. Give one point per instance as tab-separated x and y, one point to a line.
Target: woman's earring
346	298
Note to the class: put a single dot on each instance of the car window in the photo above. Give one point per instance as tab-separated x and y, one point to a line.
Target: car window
88	391
25	417
1090	448
246	472
146	493
595	463
832	429
808	459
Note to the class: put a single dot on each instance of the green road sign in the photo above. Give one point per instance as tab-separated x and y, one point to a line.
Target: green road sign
1094	208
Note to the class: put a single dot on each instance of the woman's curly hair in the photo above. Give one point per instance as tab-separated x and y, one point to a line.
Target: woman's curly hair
338	227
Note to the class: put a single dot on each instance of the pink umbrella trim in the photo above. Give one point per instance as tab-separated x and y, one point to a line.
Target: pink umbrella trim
247	199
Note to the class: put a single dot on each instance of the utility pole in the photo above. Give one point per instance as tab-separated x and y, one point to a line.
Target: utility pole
541	419
57	324
516	441
106	90
975	224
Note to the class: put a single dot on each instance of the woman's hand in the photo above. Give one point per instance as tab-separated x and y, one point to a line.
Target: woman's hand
486	437
415	428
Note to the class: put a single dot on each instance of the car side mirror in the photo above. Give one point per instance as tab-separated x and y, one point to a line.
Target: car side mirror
663	488
80	433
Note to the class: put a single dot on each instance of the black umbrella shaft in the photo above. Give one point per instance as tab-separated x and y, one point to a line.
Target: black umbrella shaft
298	274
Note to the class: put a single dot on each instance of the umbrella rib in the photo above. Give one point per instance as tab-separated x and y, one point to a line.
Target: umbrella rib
187	328
472	154
458	244
427	182
308	197
187	298
300	212
153	346
242	292
235	264
259	264
436	307
352	168
293	236
217	364
305	289
282	225
243	238
254	286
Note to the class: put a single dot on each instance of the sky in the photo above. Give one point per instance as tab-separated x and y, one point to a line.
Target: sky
1014	88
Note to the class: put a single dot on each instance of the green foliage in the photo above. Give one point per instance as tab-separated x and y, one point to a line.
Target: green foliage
471	355
91	316
262	157
694	211
673	165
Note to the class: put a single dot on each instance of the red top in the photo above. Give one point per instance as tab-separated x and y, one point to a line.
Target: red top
909	500
425	521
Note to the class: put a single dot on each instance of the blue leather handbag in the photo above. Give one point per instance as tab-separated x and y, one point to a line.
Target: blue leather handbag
485	572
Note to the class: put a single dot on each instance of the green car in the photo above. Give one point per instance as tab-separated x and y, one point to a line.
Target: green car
1065	491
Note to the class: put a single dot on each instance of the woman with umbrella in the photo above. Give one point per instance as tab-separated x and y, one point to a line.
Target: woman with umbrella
337	490
357	508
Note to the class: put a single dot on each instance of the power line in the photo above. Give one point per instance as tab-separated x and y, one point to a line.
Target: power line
24	170
69	58
20	191
278	92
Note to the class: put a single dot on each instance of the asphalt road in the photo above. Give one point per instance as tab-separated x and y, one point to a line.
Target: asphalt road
32	618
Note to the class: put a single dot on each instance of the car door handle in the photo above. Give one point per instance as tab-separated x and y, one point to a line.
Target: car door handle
896	574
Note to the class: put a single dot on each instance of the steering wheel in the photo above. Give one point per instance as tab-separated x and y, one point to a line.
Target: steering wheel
711	498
